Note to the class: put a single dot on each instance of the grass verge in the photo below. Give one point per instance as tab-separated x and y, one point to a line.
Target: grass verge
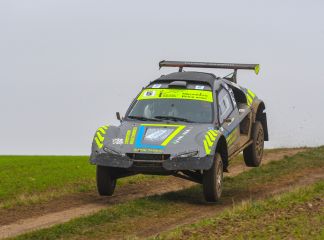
125	219
293	215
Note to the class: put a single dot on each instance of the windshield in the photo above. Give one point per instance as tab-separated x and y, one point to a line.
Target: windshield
172	109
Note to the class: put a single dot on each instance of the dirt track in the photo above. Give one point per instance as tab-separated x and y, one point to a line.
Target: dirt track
196	212
17	221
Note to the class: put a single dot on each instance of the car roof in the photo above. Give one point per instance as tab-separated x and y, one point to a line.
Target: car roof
201	77
207	78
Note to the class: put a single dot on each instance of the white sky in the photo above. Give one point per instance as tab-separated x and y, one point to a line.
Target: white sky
66	66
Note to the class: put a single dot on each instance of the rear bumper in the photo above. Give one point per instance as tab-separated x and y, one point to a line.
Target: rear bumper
120	161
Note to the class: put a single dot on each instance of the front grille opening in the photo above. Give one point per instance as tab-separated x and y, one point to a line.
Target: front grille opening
147	164
148	157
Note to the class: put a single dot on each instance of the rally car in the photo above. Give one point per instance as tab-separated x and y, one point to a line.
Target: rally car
185	124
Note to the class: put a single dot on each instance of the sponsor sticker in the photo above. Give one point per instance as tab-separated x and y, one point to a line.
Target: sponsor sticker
147	150
149	93
117	141
189	94
178	139
157	134
156	85
199	87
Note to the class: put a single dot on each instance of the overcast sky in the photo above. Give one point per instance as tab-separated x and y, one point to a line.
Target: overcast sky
67	66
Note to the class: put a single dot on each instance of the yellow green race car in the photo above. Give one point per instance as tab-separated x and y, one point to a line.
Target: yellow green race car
185	124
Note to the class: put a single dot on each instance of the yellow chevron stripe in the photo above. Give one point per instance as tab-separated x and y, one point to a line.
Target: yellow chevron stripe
233	140
214	132
99	144
251	93
212	137
249	99
100	137
207	149
127	136
209	142
229	137
230	141
102	130
132	139
232	137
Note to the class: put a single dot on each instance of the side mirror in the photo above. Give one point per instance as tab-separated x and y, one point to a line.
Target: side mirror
118	116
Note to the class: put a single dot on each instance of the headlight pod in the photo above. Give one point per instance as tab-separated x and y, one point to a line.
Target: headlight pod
187	154
111	151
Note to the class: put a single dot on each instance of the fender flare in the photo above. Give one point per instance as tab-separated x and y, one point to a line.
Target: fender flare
220	146
102	134
259	114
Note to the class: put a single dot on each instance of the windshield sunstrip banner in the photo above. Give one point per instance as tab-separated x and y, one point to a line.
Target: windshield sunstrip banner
187	94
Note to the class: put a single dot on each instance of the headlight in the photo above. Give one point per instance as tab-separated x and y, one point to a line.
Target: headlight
108	150
187	154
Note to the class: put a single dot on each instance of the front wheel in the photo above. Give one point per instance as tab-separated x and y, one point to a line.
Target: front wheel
253	153
213	180
105	182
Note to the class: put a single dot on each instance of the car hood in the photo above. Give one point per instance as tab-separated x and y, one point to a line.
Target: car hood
155	137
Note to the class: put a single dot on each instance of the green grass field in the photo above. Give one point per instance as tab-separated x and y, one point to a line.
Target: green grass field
125	218
23	178
31	179
293	215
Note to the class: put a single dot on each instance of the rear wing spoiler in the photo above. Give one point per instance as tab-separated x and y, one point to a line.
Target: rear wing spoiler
234	66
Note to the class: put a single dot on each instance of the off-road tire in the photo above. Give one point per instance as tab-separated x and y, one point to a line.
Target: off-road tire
213	180
253	153
105	182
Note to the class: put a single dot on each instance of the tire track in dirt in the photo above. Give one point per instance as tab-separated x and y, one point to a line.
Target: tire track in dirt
194	213
24	225
15	222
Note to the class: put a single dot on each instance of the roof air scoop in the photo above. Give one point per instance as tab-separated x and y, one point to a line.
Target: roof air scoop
177	84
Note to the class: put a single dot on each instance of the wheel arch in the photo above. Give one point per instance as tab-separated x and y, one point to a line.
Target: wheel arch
262	117
221	148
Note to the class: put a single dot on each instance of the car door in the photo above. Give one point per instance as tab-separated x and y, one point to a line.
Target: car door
228	118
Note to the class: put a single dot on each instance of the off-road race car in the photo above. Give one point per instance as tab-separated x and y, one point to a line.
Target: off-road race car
185	124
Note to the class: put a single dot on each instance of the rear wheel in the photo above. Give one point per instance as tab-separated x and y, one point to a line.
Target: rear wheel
253	153
105	182
213	180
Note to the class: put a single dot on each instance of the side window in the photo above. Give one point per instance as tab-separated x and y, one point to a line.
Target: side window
232	96
225	104
230	92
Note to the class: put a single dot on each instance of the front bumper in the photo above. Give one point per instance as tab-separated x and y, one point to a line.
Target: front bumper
172	164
